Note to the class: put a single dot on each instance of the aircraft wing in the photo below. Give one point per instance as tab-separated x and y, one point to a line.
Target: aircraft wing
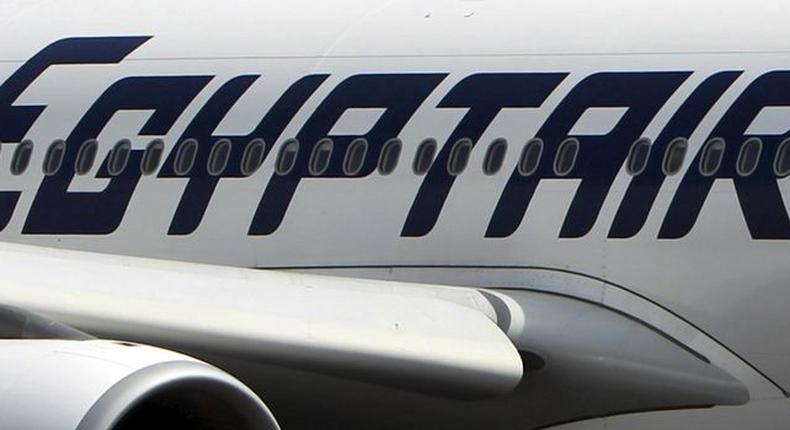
431	338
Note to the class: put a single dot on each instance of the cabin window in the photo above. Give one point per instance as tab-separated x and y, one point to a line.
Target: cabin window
749	157
185	157
712	154
219	156
674	156
424	157
390	155
54	157
21	158
566	157
638	156
86	156
322	154
119	157
253	156
782	161
530	157
286	158
495	157
152	156
355	157
459	157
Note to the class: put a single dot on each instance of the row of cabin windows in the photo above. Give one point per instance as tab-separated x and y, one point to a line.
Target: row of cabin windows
255	151
710	159
564	162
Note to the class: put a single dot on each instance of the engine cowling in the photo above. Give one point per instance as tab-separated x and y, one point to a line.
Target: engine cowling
106	385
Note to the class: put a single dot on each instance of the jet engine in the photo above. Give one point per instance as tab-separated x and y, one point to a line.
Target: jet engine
53	377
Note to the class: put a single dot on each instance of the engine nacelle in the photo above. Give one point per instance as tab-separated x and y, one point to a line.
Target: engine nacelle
106	385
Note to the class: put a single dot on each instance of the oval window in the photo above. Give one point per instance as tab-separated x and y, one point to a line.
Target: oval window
119	157
638	156
355	157
459	156
782	161
185	157
86	156
152	156
286	158
495	157
424	157
322	154
21	158
566	157
253	156
390	155
54	157
712	154
674	156
530	157
219	156
749	157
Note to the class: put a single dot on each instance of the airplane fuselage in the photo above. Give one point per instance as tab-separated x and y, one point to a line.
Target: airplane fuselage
706	239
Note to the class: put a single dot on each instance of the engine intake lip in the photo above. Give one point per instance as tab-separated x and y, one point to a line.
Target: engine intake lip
190	390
